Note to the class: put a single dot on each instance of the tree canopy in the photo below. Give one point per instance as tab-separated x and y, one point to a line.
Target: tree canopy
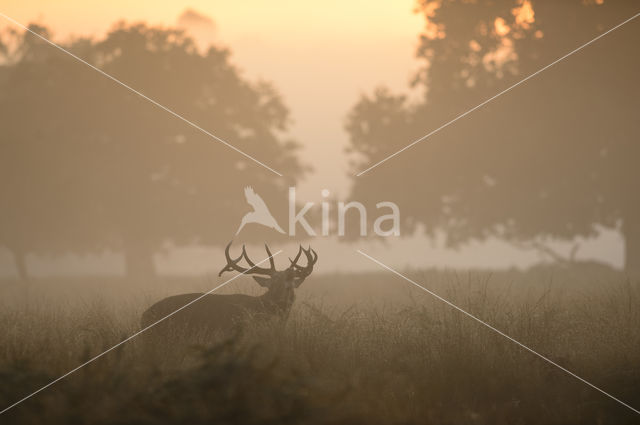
86	165
553	158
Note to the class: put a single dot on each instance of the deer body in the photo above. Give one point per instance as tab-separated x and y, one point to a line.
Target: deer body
216	312
221	313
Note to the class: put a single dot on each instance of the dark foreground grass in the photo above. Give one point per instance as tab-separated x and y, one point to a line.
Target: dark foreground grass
363	349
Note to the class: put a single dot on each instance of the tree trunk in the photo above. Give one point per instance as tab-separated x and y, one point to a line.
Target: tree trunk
20	258
631	233
139	259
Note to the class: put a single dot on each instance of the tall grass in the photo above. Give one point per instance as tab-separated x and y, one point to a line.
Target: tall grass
356	349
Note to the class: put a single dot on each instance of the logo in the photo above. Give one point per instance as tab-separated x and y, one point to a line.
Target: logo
384	225
260	213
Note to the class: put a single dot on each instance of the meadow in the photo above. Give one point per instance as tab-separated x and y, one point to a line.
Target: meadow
356	349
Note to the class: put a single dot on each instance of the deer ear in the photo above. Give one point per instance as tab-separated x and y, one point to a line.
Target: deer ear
263	281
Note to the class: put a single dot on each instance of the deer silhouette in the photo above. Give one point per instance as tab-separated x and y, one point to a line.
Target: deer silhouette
223	313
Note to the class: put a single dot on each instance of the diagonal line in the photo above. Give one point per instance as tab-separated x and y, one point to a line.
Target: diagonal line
497	95
133	336
164	108
546	359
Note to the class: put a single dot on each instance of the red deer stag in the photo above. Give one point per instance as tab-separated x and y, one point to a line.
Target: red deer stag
215	313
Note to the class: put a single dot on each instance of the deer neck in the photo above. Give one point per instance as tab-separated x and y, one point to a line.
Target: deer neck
278	301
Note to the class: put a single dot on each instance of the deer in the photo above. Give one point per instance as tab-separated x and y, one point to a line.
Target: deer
224	313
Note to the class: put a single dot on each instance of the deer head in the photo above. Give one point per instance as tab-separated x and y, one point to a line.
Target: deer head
280	284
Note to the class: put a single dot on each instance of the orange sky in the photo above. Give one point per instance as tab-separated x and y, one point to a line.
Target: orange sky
320	56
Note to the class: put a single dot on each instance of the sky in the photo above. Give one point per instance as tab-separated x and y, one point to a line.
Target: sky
321	60
318	57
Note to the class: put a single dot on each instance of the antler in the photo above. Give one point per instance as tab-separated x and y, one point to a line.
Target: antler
232	265
312	257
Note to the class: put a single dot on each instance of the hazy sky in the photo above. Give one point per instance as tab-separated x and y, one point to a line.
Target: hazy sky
318	56
320	59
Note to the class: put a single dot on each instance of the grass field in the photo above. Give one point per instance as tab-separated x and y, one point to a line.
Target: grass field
357	349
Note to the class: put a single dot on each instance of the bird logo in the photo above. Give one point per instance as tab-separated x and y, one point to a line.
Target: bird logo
260	213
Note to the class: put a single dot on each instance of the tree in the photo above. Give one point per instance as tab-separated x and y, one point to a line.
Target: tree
86	165
551	159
